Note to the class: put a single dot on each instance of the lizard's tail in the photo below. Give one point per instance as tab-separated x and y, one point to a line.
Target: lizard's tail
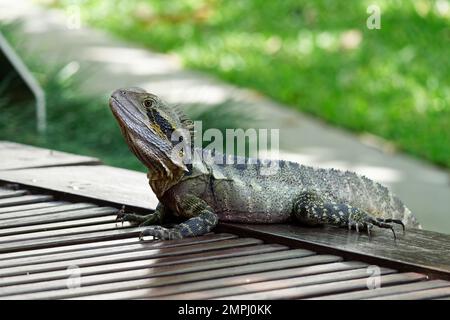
410	219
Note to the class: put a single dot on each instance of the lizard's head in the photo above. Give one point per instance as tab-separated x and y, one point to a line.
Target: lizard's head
148	125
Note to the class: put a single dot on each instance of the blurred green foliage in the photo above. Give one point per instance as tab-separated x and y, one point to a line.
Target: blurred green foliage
83	124
317	56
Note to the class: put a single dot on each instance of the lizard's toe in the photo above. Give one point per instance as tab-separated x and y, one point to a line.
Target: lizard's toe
160	233
384	224
396	221
120	213
155	231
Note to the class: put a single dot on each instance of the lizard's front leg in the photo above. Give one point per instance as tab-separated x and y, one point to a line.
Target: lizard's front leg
143	220
310	209
202	221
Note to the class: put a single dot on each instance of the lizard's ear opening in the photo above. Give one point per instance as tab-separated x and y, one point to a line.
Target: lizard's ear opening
180	154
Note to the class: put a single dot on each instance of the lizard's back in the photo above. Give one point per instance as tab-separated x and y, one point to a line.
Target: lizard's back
252	192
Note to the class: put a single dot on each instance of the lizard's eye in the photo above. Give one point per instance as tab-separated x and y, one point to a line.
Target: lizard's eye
148	103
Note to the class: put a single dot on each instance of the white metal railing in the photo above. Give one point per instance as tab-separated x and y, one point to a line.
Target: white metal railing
27	76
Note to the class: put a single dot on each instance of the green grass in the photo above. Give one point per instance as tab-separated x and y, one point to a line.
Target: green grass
394	82
84	124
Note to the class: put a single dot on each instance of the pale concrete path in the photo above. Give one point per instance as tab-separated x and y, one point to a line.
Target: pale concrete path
111	64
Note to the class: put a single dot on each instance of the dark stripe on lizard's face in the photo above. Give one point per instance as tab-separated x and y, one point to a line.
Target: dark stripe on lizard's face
161	122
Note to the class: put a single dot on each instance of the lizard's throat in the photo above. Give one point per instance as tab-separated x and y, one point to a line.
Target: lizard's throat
162	173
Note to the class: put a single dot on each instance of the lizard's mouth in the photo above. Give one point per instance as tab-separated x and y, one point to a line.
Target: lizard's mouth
122	112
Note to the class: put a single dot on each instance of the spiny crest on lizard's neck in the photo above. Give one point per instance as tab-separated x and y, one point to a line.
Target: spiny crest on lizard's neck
153	130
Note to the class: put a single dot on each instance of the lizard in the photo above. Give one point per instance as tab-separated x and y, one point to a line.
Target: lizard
202	192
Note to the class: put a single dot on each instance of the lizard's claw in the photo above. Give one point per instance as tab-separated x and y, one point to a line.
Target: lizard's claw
369	222
120	214
397	221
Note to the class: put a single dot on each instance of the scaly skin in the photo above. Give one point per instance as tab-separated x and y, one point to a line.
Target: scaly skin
205	192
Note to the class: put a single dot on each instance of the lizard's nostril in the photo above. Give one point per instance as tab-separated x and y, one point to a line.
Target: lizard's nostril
123	92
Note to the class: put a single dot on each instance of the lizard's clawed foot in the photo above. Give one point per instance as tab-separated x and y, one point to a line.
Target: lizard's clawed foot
367	223
120	214
135	219
396	221
161	233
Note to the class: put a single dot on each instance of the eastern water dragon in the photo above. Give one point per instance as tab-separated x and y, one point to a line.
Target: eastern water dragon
203	192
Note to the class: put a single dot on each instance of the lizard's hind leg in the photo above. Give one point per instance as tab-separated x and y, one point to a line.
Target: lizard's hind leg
311	209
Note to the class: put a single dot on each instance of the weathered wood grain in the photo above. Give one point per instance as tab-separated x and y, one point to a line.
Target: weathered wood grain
127	256
302	292
104	244
5	190
68	248
25	230
5	193
42	212
130	247
236	285
64	240
419	250
203	289
380	292
288	282
418	295
28	207
55	234
24	200
100	182
113	277
16	156
182	278
177	262
77	212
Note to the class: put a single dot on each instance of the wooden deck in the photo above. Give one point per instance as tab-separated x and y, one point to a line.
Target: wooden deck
59	240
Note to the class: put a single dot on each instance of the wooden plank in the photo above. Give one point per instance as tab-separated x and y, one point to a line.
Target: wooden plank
202	289
101	251
233	285
16	156
32	206
302	292
25	230
54	234
24	200
106	183
68	248
418	295
65	240
5	190
418	250
182	278
150	263
59	216
379	292
288	282
42	212
127	256
5	193
146	273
